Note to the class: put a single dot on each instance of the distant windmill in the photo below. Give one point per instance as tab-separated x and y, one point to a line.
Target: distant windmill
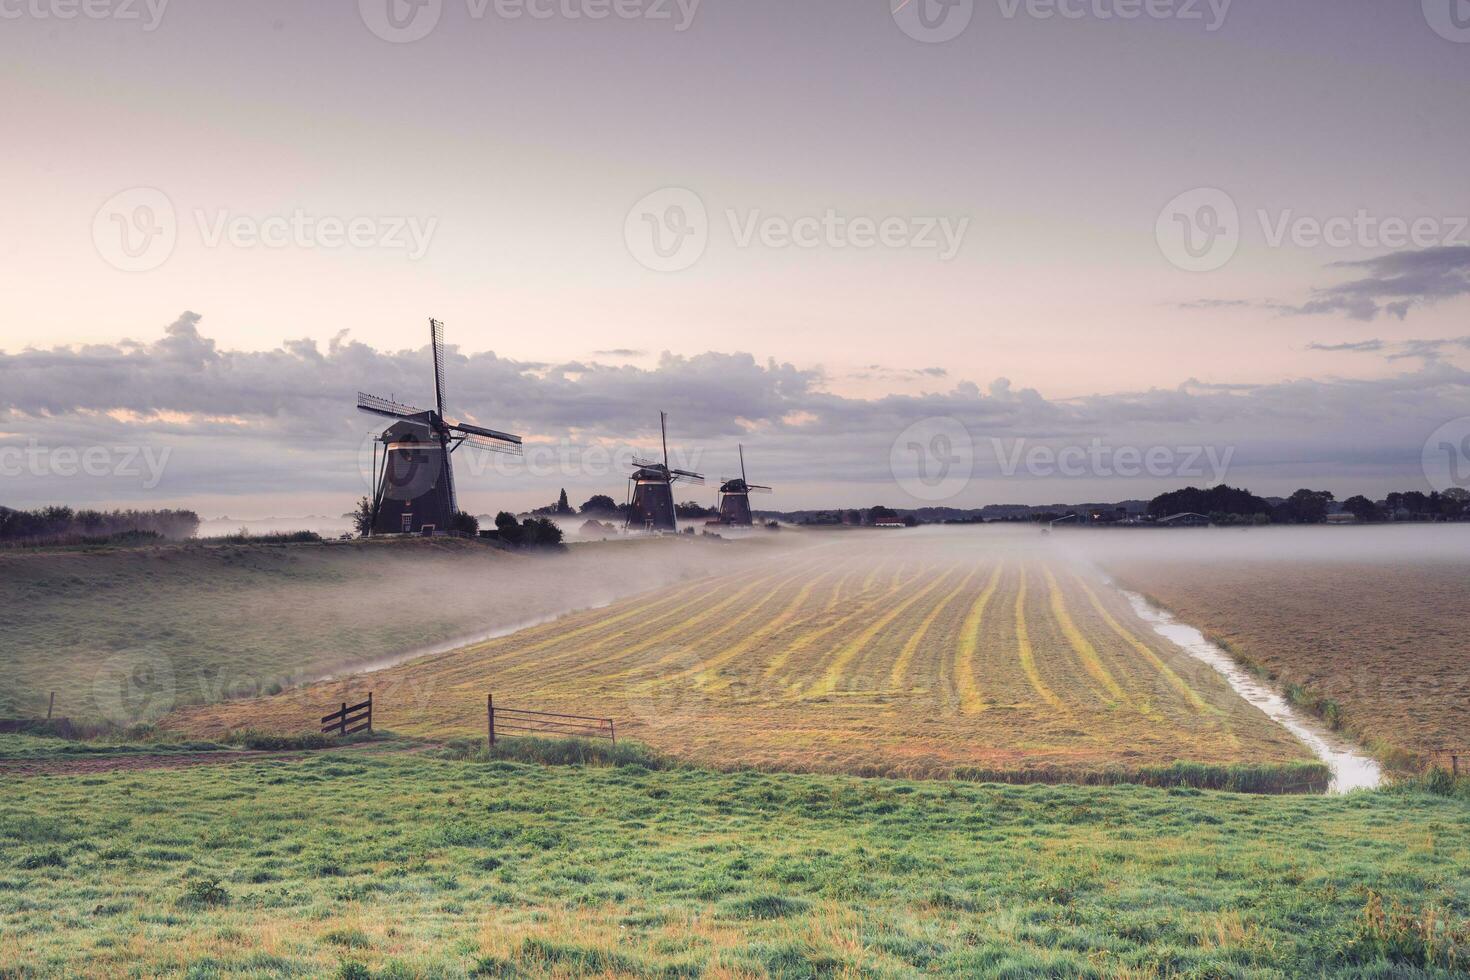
415	487
735	497
652	506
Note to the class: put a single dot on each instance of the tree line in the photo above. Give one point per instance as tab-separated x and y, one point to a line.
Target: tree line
1232	505
63	525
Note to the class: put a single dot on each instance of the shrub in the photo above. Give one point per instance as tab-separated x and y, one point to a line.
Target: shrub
204	893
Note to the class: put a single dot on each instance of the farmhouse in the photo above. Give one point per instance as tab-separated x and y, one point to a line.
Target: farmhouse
1184	520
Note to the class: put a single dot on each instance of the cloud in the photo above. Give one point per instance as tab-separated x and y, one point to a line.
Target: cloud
1393	284
240	423
1424	350
620	352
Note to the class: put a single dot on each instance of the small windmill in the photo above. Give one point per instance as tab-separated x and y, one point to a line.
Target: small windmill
735	494
652	485
415	486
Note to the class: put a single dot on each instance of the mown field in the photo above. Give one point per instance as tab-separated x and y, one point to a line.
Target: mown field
922	653
1378	647
123	635
358	863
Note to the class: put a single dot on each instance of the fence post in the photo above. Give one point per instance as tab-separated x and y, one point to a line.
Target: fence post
1455	764
342	722
490	714
51	707
370	713
612	732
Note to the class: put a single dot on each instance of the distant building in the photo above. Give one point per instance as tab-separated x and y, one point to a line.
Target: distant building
894	521
1184	520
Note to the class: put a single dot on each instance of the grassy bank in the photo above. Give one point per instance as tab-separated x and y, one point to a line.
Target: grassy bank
394	865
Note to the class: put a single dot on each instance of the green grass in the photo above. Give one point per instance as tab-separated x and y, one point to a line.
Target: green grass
397	865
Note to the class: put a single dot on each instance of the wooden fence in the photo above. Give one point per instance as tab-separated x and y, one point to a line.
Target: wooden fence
525	722
350	720
1456	760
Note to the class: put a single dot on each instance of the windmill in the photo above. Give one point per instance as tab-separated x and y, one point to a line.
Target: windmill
735	497
652	505
415	485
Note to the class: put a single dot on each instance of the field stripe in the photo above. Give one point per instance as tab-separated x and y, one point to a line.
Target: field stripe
773	583
731	653
906	655
848	651
1085	651
1026	655
965	681
806	640
1174	680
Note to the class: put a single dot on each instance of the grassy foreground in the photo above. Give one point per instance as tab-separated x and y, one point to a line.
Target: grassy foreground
360	864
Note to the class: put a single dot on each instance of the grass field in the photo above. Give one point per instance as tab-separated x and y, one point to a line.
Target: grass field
124	634
364	864
925	653
1379	648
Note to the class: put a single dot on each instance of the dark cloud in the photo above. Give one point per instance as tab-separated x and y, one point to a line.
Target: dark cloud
1393	284
1356	346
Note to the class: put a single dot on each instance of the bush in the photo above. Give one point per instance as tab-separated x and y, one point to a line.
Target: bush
204	893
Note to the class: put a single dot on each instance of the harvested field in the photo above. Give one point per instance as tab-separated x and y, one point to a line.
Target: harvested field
930	653
1378	647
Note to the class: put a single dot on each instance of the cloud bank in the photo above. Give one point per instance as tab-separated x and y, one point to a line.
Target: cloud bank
277	422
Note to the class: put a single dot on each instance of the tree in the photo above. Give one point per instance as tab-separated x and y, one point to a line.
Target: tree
1216	501
1363	509
1305	507
466	523
879	512
562	506
362	517
600	503
689	509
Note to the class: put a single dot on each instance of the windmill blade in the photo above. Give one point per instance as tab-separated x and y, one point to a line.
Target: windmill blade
436	340
757	488
386	407
489	445
476	430
643	462
697	478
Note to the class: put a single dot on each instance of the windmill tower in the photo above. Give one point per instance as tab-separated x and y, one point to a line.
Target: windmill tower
415	484
735	497
652	484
